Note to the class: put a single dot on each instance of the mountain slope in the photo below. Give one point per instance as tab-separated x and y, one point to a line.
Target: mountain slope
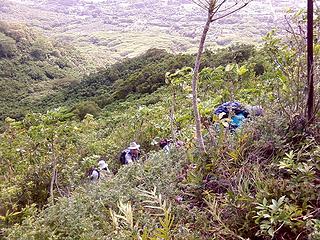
139	76
108	31
259	182
38	74
31	66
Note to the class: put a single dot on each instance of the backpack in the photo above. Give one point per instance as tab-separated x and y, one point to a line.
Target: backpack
90	173
163	143
235	107
123	157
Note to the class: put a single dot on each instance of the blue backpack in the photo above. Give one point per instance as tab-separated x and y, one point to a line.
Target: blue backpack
235	107
237	120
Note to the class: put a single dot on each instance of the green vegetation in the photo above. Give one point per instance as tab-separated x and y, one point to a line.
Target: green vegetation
260	182
42	75
139	76
32	67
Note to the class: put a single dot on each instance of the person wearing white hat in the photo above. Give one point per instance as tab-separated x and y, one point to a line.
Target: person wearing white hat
131	154
102	172
103	166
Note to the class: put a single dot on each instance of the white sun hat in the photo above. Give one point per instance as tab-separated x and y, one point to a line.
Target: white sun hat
134	145
102	164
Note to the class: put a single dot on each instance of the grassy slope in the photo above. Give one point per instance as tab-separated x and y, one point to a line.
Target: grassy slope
217	198
86	213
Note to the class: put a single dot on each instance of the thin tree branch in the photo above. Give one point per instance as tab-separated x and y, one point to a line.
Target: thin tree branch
225	15
54	170
200	4
217	8
292	30
228	8
56	183
53	179
172	121
316	108
195	78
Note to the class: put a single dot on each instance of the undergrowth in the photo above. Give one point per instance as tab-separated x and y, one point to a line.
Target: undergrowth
256	184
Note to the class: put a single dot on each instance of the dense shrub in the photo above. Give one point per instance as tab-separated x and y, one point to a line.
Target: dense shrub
142	74
87	213
7	46
84	108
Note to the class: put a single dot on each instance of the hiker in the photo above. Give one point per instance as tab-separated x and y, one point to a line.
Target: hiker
167	144
164	145
102	172
237	113
131	154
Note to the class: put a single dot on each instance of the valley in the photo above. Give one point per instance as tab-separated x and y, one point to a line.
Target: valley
110	30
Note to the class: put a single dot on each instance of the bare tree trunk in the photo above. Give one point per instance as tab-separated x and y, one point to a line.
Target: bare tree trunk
54	172
195	78
53	179
310	101
213	7
172	122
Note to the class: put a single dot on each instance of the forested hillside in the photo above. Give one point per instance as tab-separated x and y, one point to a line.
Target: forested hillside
31	67
42	75
258	178
139	76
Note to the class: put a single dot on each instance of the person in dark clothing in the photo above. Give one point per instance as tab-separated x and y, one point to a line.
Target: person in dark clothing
131	154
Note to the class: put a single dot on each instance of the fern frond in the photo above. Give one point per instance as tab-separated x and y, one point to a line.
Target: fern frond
166	218
114	219
126	210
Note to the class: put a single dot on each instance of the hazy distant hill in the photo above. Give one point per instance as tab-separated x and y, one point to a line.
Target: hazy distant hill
109	30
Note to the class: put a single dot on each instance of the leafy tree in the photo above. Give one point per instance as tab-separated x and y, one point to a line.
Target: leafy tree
86	107
214	8
177	81
290	57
